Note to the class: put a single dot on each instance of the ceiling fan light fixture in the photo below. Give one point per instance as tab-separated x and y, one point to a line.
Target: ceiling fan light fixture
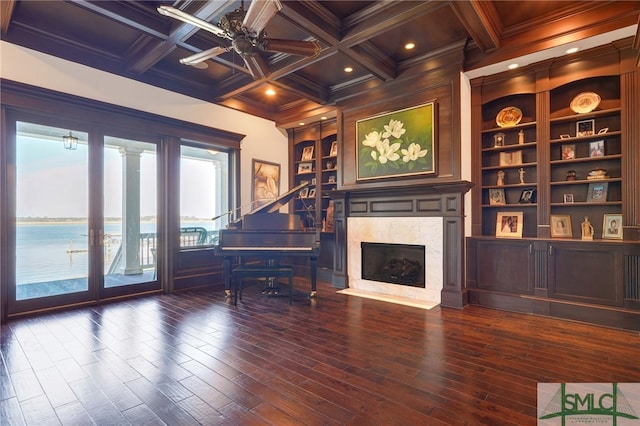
242	45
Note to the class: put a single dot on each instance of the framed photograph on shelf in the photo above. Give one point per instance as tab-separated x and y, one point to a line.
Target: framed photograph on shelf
305	168
334	149
568	152
560	226
307	153
612	226
565	136
585	128
496	197
509	224
304	192
312	193
568	198
597	192
596	148
528	196
510	158
603	130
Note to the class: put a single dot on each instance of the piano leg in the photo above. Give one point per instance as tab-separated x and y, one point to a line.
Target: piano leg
314	276
226	273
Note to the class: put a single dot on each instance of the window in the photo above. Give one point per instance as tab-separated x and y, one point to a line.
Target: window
204	195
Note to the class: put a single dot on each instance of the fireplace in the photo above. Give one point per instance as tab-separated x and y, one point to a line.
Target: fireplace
401	264
430	215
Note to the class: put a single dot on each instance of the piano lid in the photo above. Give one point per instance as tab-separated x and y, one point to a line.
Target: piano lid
278	203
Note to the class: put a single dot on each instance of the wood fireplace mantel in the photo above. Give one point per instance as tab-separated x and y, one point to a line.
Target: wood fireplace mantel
444	200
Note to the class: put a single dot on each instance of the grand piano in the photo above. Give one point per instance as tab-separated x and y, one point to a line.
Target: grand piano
268	236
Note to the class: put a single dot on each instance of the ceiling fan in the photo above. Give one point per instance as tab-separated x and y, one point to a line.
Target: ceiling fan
244	28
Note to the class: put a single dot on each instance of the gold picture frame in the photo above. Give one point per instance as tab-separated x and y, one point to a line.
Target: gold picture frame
560	225
509	224
401	143
265	182
612	226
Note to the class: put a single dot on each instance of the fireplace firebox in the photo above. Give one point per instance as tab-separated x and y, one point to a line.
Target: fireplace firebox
401	264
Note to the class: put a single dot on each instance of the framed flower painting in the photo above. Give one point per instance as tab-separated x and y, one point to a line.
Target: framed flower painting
397	144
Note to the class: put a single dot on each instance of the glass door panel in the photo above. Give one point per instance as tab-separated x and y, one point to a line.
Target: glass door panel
130	212
52	219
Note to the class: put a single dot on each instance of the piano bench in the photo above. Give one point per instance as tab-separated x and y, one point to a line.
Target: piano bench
259	271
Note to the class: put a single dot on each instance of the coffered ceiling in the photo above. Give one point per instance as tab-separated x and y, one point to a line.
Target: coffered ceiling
132	39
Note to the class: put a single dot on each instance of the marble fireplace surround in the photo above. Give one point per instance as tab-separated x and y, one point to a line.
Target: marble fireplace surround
430	215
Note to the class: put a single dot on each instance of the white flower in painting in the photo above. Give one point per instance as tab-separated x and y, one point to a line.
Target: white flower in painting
394	128
387	152
372	139
412	153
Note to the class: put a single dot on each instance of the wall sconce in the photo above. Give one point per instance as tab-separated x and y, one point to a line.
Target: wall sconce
70	141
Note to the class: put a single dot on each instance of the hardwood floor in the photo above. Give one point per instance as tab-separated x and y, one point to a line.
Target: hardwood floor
194	358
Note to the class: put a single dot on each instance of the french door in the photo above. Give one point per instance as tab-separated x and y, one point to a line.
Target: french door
85	204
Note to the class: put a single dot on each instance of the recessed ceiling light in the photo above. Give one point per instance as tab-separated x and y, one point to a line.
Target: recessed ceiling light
573	50
323	118
348	69
301	123
270	92
410	45
513	66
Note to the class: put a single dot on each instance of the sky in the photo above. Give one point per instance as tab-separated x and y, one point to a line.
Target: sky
53	181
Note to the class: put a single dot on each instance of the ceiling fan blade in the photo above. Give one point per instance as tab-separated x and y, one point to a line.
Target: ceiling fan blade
293	47
203	56
256	65
190	19
259	14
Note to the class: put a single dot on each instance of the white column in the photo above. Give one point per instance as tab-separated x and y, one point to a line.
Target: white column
131	210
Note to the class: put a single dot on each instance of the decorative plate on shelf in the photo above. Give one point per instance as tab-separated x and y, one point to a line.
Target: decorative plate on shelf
585	102
509	116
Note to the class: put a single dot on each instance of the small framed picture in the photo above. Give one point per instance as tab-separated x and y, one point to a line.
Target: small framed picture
307	153
612	226
496	197
597	192
603	130
565	136
596	149
312	193
509	224
568	198
305	168
304	193
568	152
560	226
334	149
585	128
528	196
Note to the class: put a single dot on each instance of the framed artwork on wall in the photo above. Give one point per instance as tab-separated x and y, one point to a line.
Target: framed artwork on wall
265	182
397	144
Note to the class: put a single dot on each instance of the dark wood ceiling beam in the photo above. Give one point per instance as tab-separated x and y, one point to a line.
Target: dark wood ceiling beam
481	21
314	19
303	87
591	19
6	12
382	16
366	55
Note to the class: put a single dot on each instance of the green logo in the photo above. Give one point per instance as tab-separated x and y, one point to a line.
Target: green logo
587	403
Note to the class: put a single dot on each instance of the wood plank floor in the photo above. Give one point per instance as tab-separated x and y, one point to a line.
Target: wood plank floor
194	358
